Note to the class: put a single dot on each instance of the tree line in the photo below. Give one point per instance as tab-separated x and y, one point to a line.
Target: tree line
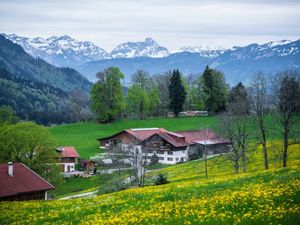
155	96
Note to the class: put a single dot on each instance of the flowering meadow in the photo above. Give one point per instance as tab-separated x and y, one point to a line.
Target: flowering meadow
256	197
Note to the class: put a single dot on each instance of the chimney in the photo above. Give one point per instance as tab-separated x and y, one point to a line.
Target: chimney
10	169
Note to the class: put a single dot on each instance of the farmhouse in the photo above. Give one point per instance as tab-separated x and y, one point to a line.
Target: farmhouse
169	147
18	182
68	158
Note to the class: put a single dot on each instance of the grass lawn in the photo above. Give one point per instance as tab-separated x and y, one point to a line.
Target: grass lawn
75	185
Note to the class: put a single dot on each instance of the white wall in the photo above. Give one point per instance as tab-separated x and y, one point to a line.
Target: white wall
72	167
165	158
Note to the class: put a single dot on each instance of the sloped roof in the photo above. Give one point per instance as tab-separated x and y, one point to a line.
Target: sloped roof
202	137
142	134
68	152
139	133
171	140
23	180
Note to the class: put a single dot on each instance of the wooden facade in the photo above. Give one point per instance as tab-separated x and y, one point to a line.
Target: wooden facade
36	195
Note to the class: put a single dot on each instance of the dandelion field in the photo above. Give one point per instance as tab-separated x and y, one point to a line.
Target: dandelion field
256	197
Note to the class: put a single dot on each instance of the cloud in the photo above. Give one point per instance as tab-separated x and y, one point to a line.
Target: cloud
171	22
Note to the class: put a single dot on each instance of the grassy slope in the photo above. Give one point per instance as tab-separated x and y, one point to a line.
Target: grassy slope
259	197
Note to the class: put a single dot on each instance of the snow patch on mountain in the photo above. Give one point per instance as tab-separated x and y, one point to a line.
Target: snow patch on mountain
204	51
146	48
54	48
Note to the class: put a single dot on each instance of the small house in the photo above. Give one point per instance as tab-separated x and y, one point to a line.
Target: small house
68	158
18	182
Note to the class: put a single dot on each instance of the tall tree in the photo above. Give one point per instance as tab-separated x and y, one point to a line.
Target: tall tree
137	102
239	100
141	78
215	90
260	103
107	95
162	82
177	93
289	102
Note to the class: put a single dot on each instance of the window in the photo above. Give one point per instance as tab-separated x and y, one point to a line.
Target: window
177	159
170	153
150	151
160	158
170	159
160	152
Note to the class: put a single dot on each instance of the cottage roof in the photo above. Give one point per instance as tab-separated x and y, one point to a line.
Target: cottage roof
24	180
68	152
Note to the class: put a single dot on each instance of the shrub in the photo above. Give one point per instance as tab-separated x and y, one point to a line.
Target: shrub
161	179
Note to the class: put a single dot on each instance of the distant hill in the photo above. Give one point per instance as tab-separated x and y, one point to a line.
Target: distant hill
238	64
39	91
186	62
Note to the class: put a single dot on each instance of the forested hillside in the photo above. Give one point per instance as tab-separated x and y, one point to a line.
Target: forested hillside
39	91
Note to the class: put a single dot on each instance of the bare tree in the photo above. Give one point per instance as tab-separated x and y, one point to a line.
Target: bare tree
259	96
236	126
288	95
137	158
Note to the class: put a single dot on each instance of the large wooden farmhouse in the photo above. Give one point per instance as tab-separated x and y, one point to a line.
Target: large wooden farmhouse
170	147
18	182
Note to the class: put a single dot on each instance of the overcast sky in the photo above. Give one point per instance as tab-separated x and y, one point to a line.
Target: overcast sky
172	23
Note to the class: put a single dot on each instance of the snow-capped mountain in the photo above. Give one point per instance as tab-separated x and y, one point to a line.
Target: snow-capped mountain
60	50
146	48
238	63
204	51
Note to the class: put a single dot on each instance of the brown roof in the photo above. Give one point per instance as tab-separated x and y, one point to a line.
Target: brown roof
202	136
23	180
68	152
142	134
173	141
139	133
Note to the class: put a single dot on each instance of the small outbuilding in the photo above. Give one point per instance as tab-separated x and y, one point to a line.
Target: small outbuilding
88	165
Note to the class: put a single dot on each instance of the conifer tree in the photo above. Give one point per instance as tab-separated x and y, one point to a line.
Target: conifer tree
177	93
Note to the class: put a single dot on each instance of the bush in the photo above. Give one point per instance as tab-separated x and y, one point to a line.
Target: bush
161	179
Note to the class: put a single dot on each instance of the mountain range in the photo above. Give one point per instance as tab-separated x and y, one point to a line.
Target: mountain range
237	63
